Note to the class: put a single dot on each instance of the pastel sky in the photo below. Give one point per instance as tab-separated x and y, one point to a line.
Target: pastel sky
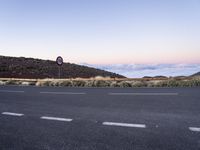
102	31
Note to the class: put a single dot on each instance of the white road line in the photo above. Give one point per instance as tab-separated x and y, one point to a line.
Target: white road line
145	94
124	124
12	114
56	119
10	91
195	129
65	93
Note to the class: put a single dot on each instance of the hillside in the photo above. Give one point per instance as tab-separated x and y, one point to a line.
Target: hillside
20	67
196	74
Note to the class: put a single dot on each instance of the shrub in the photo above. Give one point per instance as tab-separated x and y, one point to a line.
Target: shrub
101	83
162	84
151	84
114	84
38	83
90	83
54	83
193	82
2	83
138	84
66	83
47	83
125	84
78	83
43	83
172	82
25	83
12	82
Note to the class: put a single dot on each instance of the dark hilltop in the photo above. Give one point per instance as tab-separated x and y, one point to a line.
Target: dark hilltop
196	74
21	67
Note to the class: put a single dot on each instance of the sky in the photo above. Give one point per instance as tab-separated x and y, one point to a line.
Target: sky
103	32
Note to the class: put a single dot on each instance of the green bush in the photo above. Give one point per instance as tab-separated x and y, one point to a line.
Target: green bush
139	84
191	82
2	83
90	83
162	84
115	84
66	83
125	84
179	83
12	82
46	83
101	83
55	83
78	83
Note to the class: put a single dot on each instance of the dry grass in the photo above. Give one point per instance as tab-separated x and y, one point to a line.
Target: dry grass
107	82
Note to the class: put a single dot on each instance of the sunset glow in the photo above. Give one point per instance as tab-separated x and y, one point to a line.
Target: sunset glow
102	32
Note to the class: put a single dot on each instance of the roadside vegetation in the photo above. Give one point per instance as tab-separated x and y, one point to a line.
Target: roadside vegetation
107	82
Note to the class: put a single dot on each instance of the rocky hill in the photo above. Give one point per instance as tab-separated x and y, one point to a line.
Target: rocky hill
196	74
20	67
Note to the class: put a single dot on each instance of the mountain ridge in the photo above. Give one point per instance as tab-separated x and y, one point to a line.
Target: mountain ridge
196	74
22	67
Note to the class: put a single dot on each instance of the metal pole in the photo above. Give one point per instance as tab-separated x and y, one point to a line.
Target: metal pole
59	71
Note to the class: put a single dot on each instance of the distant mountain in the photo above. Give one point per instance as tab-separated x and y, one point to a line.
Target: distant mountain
21	67
196	74
147	77
159	77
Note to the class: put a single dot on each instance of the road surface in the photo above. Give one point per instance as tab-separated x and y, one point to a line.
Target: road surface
58	118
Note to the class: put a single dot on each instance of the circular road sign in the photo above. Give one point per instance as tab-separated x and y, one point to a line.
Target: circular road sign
59	60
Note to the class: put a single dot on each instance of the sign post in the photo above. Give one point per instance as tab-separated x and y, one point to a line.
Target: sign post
59	61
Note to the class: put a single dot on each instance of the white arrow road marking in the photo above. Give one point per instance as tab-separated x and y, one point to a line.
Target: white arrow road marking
56	119
124	124
12	114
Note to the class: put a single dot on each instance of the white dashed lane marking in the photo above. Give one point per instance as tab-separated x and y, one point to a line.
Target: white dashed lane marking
56	118
10	91
63	93
12	114
194	129
124	124
145	94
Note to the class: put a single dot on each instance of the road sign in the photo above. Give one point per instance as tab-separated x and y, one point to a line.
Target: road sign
59	60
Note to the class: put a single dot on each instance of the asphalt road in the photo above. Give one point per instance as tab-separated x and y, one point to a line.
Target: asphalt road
47	118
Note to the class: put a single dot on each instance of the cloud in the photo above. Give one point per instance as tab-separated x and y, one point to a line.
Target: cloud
141	70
